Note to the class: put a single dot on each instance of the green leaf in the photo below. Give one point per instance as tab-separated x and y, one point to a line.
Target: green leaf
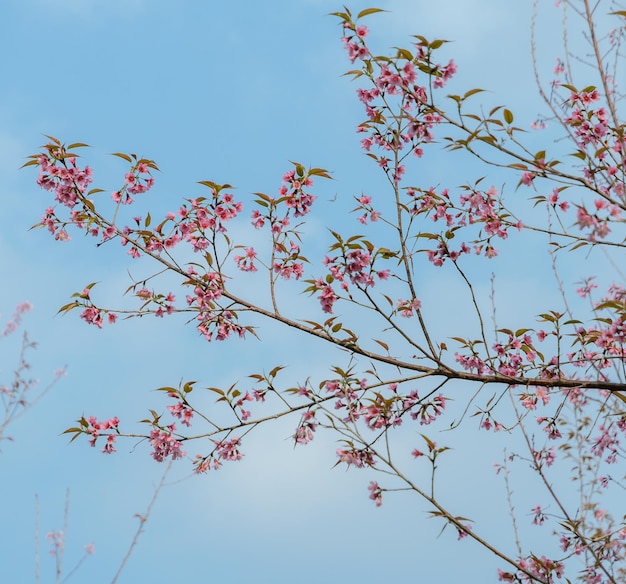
354	72
547	318
383	345
437	43
69	430
123	156
188	387
369	11
341	15
320	172
275	371
68	307
405	54
508	116
472	92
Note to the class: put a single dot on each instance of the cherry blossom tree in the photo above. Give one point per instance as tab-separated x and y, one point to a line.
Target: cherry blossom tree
552	388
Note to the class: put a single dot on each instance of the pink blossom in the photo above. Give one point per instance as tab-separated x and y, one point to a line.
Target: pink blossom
229	449
164	444
376	493
327	297
183	412
539	516
308	425
246	262
92	315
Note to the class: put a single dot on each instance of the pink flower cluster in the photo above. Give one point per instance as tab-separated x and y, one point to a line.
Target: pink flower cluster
376	493
396	79
95	429
589	125
165	444
293	202
137	181
539	517
365	205
357	265
181	411
16	318
426	411
356	50
246	262
225	450
358	457
60	174
513	358
545	456
601	345
383	410
388	412
542	568
239	403
214	322
295	196
607	443
354	265
327	296
195	223
346	391
306	429
481	208
57	542
407	308
603	148
380	413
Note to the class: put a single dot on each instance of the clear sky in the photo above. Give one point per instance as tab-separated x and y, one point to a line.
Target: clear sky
225	91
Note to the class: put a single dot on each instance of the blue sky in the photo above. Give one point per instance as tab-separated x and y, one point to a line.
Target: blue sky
228	92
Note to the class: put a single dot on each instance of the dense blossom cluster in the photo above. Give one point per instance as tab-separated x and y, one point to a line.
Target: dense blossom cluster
165	444
386	130
61	175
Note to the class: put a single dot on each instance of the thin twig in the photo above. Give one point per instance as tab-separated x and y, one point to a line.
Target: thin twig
142	521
